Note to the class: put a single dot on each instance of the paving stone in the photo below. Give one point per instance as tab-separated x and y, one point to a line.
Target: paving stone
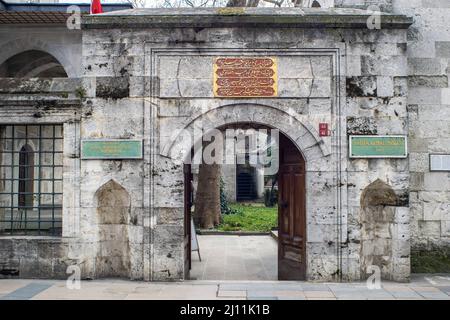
27	292
433	295
291	298
231	293
319	294
445	289
425	289
8	286
206	290
260	293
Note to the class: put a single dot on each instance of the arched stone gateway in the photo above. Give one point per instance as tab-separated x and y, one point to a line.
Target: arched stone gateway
303	135
318	190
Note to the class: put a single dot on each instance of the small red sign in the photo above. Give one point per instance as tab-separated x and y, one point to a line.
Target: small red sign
323	130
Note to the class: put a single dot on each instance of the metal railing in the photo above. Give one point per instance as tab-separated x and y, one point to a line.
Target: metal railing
31	179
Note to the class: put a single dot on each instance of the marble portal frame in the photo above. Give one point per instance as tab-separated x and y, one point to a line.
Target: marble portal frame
337	149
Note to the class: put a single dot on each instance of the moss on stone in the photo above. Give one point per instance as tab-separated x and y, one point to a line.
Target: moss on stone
436	261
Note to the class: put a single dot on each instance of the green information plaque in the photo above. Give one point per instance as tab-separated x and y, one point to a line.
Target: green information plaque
378	147
111	149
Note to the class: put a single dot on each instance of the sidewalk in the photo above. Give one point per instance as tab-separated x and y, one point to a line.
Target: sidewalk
421	287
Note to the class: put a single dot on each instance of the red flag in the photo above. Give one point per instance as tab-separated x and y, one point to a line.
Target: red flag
96	7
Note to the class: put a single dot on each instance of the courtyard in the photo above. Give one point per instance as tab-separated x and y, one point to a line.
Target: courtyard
226	257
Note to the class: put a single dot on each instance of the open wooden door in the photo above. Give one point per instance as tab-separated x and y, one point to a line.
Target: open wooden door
291	213
187	219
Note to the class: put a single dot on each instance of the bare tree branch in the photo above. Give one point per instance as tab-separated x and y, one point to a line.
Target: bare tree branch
211	3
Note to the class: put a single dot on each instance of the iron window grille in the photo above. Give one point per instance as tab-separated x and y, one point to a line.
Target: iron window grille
31	163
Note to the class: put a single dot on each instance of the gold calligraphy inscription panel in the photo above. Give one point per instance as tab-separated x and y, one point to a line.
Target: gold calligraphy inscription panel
236	77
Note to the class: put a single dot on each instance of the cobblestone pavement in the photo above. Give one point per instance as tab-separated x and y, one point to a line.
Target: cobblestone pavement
421	287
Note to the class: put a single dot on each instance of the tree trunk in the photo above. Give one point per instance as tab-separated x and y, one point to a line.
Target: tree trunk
237	3
207	199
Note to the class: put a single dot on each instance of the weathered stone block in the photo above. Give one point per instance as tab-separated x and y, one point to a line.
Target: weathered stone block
430	228
112	87
361	126
425	66
428	81
443	49
385	87
361	87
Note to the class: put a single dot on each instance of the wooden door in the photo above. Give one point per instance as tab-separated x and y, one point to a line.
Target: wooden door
291	213
187	219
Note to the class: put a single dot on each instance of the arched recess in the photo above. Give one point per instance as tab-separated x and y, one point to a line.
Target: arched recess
63	56
113	214
378	208
26	177
31	64
178	145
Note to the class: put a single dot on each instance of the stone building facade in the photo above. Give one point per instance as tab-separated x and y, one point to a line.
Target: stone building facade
147	75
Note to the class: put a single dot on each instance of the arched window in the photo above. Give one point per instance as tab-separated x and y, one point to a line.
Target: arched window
26	177
31	160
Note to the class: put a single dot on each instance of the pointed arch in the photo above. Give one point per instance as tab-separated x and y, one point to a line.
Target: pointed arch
301	133
26	177
113	203
113	209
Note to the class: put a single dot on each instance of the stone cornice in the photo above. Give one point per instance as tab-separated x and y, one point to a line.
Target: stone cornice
242	17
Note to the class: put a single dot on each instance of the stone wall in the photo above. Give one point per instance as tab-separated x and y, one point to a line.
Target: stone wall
152	83
384	5
376	89
181	93
428	119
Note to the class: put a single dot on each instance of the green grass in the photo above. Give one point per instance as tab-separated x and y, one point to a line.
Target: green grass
430	262
250	218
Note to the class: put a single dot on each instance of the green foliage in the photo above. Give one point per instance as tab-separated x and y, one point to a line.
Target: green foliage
270	197
80	92
430	262
250	218
224	206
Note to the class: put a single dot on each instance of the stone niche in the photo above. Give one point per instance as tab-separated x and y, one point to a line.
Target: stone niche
113	210
384	233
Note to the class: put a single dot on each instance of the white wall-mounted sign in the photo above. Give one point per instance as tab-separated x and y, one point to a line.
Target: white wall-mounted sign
439	162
